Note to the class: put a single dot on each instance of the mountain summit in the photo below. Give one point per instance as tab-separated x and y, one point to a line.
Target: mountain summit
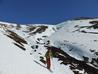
69	47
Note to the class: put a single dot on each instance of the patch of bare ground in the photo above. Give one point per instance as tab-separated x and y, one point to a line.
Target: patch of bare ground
39	29
75	65
95	24
16	37
20	46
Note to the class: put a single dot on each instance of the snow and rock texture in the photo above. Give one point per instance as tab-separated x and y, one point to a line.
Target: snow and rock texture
73	45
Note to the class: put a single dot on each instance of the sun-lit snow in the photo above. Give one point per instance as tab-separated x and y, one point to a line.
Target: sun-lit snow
70	36
13	60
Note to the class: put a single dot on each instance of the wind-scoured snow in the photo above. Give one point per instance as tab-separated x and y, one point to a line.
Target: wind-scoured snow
13	60
73	43
78	44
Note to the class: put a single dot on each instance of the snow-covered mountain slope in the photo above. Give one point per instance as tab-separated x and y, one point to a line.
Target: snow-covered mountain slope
79	39
21	48
73	46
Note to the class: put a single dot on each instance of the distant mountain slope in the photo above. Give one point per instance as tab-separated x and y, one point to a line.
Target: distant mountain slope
73	46
79	39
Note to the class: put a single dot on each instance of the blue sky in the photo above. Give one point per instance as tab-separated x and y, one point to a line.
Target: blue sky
46	11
